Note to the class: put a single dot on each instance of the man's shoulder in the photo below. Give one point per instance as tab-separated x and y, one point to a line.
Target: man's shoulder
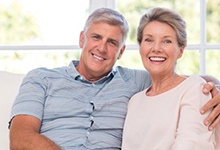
137	77
130	71
47	72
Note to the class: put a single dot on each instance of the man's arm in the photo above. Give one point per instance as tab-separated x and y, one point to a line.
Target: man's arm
213	118
24	134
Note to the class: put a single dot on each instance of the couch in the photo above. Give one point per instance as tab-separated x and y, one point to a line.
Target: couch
9	85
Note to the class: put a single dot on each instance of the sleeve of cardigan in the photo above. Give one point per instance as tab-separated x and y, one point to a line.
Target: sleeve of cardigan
191	133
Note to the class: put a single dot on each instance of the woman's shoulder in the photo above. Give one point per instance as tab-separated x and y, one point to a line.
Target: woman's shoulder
195	79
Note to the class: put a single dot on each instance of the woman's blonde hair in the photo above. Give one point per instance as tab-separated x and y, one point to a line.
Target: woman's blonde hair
167	16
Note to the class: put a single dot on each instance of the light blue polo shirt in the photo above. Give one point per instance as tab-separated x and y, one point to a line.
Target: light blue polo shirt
75	113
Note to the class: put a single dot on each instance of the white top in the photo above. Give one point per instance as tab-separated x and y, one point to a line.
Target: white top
170	120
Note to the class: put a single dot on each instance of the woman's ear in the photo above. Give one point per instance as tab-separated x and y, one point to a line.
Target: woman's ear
182	48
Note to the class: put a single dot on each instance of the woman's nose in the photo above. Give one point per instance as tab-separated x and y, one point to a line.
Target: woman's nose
156	46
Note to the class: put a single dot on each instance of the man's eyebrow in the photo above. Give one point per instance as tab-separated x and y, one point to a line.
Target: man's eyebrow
96	34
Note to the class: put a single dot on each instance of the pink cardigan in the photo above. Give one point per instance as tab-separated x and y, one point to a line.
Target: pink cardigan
169	121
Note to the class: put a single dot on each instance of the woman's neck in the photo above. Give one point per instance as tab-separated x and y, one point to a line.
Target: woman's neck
162	84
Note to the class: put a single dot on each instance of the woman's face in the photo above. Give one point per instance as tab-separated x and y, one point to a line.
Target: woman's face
159	48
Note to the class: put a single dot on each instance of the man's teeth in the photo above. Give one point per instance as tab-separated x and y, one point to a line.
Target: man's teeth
97	57
157	59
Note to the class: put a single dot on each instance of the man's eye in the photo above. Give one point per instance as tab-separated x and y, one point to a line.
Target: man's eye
113	42
96	37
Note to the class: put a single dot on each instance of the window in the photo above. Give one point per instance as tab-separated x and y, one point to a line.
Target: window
45	33
37	33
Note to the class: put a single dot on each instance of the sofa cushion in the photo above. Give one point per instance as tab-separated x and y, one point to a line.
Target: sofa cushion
9	86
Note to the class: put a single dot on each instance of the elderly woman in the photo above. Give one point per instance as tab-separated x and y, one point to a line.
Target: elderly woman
166	115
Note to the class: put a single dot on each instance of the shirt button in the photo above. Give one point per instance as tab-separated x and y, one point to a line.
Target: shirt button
91	117
87	132
81	78
93	106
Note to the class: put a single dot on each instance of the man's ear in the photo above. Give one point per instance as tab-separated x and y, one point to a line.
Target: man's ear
121	51
81	39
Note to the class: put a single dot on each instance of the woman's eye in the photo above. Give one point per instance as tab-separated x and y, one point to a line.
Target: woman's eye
167	41
148	40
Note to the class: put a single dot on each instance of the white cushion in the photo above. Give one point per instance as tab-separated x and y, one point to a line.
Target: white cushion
9	86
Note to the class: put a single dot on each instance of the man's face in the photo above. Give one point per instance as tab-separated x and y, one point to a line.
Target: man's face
101	47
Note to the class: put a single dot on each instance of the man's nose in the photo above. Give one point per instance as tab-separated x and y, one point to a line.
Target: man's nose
102	47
